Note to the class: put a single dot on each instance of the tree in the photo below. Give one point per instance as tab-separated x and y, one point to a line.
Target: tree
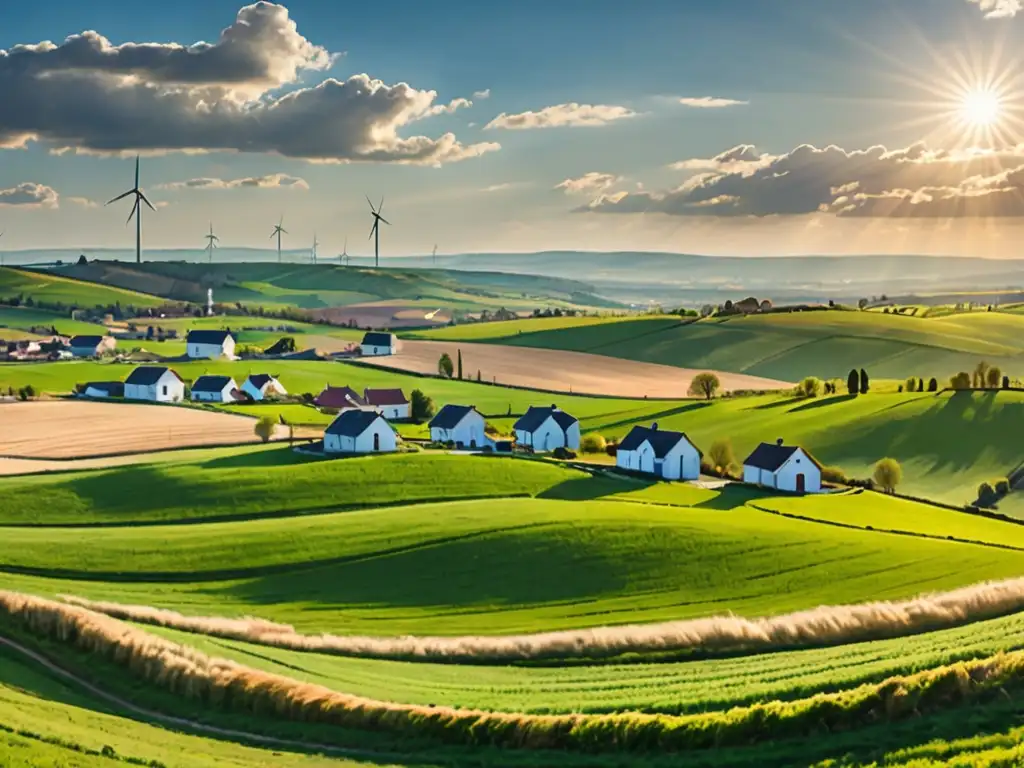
920	385
992	377
420	406
862	303
1002	486
706	384
961	380
809	387
980	372
911	384
986	495
593	443
721	455
888	474
479	376
264	428
445	367
853	382
864	383
1006	382
933	384
460	364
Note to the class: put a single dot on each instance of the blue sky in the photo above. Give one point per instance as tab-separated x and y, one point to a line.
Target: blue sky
875	72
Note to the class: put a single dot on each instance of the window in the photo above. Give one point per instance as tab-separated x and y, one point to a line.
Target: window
376	441
165	389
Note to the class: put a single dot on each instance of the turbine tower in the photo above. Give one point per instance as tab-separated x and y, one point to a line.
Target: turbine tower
315	244
344	253
434	255
278	231
136	211
211	239
1	252
375	229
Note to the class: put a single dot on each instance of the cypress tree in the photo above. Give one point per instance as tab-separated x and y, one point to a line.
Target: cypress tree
460	364
864	382
853	382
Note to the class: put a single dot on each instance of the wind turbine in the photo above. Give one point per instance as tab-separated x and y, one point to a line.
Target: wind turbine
344	253
278	231
136	211
315	244
1	252
375	229
211	238
434	254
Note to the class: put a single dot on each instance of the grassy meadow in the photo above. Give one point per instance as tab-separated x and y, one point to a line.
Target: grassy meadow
53	288
784	346
24	318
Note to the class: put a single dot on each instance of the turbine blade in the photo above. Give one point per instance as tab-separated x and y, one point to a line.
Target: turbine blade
146	201
284	231
372	229
136	171
120	197
272	234
215	238
379	207
370	203
134	209
381	218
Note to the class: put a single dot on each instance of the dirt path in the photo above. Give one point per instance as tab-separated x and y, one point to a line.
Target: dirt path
561	371
193	725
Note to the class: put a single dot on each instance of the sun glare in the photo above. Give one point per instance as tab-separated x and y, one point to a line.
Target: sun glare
981	107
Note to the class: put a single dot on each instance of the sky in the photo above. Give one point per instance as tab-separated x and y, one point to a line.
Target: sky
750	128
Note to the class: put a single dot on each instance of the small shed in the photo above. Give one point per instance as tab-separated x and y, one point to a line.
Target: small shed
355	431
784	467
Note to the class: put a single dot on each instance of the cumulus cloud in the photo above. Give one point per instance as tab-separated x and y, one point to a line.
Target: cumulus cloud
999	9
481	95
914	182
271	181
743	158
87	95
588	183
710	102
84	202
29	195
561	115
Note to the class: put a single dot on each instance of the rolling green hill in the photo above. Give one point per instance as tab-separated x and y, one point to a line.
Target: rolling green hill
310	286
54	289
786	346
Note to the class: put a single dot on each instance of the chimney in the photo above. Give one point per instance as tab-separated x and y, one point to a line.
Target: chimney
779	441
554	407
654	427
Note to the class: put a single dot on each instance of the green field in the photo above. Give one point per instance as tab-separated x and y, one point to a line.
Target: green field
790	346
500	332
23	318
54	289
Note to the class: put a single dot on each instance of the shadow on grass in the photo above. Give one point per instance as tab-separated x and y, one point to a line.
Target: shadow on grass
776	404
733	496
591	487
271	457
821	402
649	417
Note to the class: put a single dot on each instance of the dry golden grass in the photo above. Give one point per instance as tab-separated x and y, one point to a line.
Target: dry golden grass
63	429
826	625
561	371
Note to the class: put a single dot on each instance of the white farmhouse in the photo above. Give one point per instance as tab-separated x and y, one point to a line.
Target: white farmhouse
156	383
785	467
459	424
390	403
103	389
209	344
375	343
661	452
261	385
545	429
215	389
355	431
91	346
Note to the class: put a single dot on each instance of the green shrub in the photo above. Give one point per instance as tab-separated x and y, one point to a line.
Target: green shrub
593	443
834	475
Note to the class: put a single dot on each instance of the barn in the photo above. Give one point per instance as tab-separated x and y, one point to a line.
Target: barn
661	452
355	431
215	389
784	467
209	344
545	429
103	389
338	398
261	385
91	346
376	343
460	424
390	403
156	383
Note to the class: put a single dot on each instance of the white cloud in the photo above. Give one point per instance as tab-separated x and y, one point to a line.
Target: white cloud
481	95
743	158
29	195
999	9
271	181
498	187
84	202
588	183
561	115
87	95
710	102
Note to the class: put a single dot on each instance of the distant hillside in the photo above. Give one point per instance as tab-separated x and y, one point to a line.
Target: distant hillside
319	286
50	289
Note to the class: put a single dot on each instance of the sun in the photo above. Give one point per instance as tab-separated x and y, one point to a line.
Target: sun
981	107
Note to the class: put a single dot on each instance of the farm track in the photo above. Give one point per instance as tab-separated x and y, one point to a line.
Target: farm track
61	672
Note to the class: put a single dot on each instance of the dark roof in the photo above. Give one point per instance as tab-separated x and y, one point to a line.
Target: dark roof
211	383
208	337
112	388
771	456
661	440
535	417
352	423
385	397
260	380
450	416
145	375
377	339
338	397
86	341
